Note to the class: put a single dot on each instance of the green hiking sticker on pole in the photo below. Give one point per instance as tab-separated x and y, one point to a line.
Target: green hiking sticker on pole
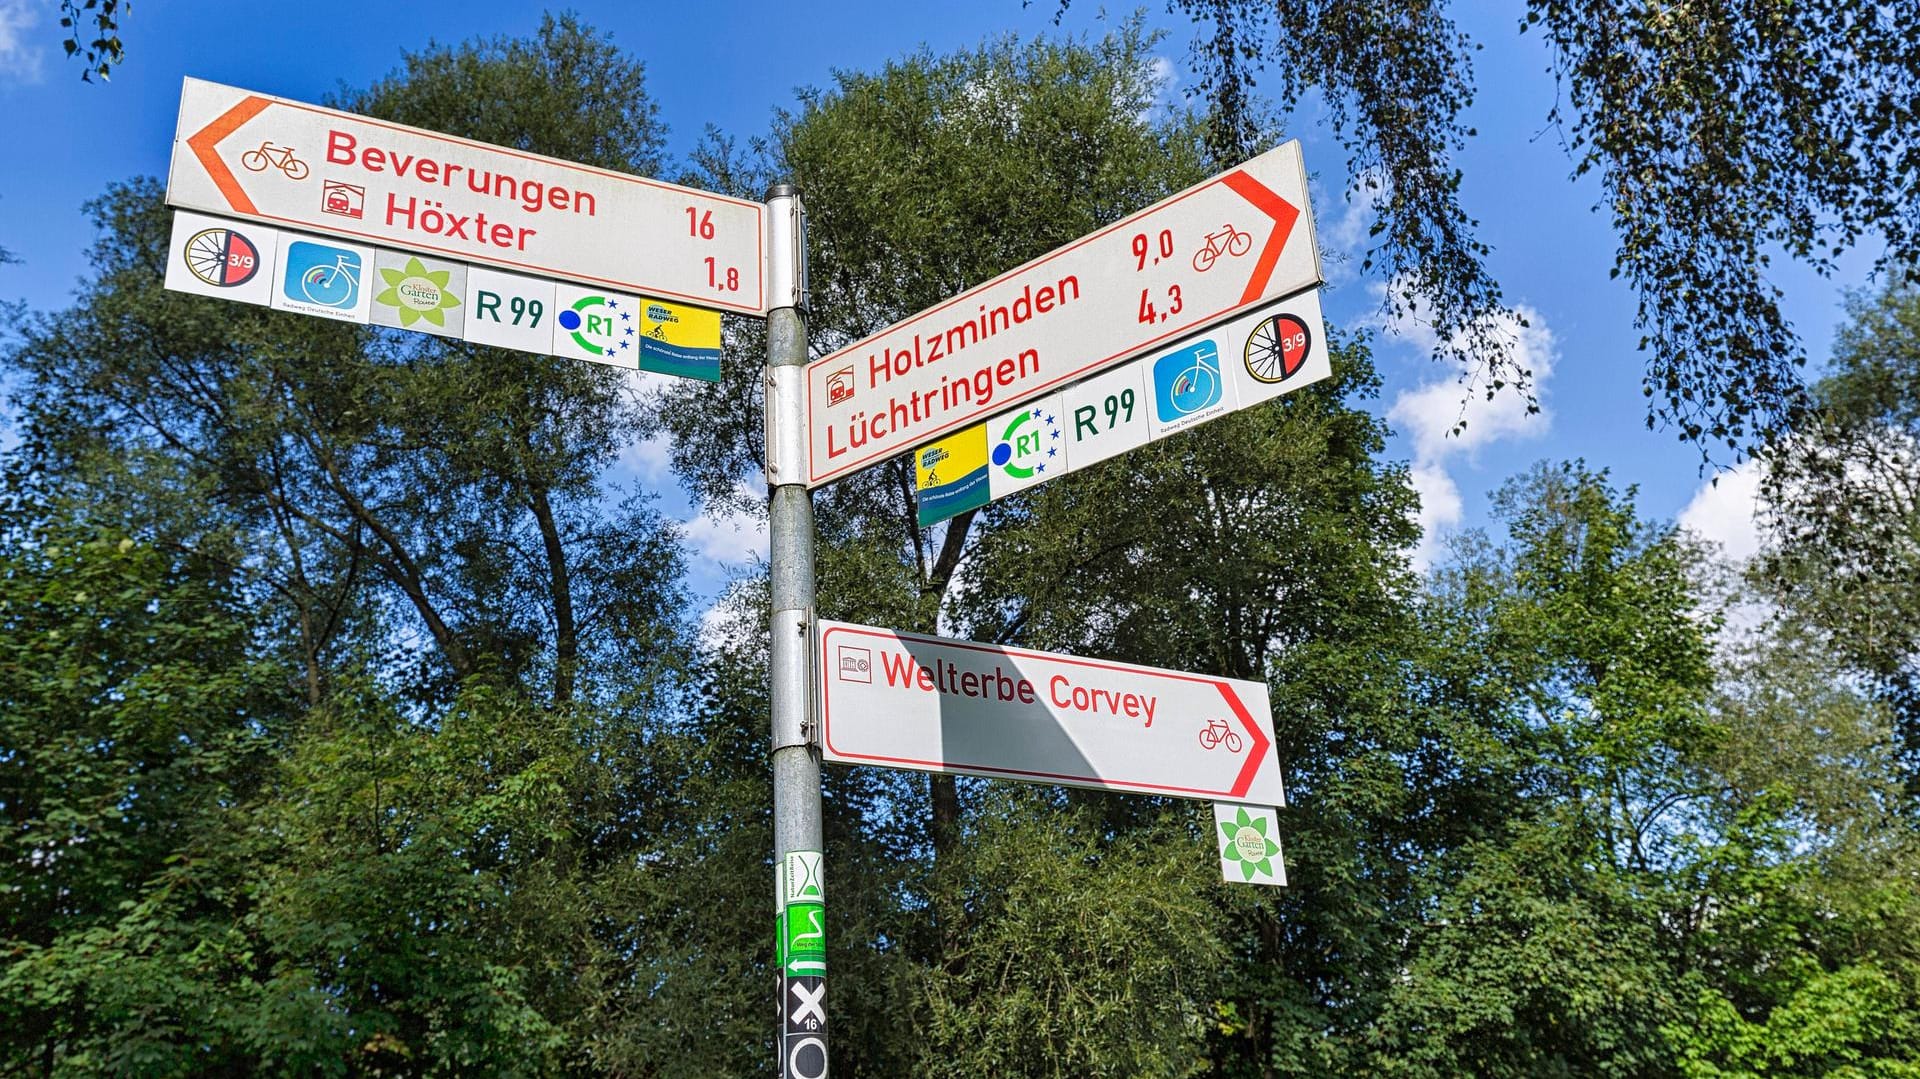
800	937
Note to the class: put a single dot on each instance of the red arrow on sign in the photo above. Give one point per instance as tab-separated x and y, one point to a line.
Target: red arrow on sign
1284	214
1257	752
207	138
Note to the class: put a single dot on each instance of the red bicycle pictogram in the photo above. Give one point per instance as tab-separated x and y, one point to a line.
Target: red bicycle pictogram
1228	241
280	157
1217	732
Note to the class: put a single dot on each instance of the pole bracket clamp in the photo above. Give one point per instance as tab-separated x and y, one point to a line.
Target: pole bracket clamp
791	662
786	425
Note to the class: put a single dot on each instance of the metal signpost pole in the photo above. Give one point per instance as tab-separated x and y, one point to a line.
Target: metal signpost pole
800	894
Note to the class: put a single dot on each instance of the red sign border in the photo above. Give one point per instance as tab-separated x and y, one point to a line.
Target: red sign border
1237	180
1256	754
222	126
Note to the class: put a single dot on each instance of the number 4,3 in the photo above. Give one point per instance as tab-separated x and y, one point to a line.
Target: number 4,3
1150	313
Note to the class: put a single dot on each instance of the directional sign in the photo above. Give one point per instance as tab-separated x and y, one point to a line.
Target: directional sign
1195	259
247	155
1237	364
927	703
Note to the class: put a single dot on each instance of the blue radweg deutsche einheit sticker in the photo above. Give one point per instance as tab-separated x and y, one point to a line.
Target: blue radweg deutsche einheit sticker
1186	380
322	274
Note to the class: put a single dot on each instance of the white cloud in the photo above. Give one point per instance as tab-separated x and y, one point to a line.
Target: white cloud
650	460
1164	74
1430	415
1722	511
732	537
19	58
1439	511
1343	234
722	626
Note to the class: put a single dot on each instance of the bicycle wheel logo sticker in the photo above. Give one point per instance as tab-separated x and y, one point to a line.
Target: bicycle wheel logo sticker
1186	381
1228	241
594	330
1024	454
1216	733
322	274
222	257
1277	348
268	155
417	293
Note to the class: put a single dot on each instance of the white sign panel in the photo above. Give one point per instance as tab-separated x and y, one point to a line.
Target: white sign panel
415	293
1106	416
903	700
1026	446
267	159
1249	842
510	311
1186	263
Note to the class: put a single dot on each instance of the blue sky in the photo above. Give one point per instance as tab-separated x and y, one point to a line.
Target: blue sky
731	64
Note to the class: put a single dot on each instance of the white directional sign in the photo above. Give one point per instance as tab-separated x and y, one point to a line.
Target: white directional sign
1186	263
1250	358
248	155
902	700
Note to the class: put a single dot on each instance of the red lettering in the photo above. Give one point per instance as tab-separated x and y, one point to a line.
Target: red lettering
340	148
373	158
896	668
1053	690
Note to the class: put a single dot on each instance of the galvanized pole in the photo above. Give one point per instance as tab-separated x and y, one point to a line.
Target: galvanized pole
799	888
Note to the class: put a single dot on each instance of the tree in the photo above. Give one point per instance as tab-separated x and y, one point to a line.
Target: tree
474	640
924	178
1722	135
935	173
1841	499
459	484
100	18
1692	862
134	709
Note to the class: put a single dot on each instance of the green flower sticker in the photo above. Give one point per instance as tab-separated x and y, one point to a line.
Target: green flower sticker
417	293
1249	844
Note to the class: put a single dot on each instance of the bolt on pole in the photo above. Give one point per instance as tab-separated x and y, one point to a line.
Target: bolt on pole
799	886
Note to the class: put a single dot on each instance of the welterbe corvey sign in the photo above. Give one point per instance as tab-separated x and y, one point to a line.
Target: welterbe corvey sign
903	700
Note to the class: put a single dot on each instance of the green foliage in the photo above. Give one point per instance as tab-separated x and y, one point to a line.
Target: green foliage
348	724
1722	134
133	714
1088	953
100	18
1530	964
373	471
1842	498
